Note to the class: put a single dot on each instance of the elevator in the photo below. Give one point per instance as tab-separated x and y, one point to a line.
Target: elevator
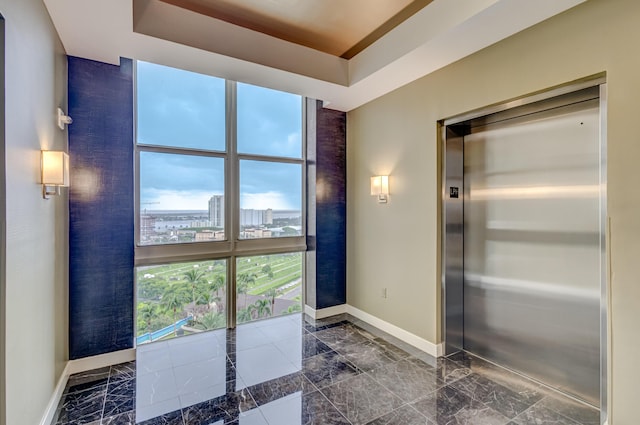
524	246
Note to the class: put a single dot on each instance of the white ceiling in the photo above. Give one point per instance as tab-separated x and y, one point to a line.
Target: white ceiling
151	30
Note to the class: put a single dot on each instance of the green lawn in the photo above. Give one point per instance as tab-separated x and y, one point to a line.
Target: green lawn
154	282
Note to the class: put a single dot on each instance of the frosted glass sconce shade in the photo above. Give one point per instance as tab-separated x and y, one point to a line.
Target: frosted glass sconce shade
54	171
380	188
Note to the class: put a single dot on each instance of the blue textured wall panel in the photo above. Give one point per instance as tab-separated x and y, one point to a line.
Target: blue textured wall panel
101	209
331	212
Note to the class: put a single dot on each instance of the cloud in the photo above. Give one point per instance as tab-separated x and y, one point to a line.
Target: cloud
185	109
265	200
180	108
155	199
158	199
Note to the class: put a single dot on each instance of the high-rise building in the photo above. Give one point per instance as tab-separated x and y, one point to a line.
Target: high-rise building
251	217
147	227
216	210
267	216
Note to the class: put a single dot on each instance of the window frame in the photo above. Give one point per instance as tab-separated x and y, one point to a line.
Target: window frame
233	246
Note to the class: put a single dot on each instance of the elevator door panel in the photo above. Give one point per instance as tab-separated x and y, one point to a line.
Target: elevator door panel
531	247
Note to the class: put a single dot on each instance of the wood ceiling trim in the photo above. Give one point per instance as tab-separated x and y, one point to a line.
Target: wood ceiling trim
379	32
297	35
247	20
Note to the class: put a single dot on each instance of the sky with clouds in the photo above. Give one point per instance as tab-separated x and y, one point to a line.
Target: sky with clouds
185	109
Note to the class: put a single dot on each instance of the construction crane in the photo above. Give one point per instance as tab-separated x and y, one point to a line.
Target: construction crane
147	203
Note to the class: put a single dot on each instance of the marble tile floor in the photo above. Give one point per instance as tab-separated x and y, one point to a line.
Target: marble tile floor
293	370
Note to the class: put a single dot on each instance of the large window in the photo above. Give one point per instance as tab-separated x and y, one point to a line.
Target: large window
268	285
220	177
180	299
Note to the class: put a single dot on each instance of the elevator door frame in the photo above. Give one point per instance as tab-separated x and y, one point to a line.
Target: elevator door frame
453	131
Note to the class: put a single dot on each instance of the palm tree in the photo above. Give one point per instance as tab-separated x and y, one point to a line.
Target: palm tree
262	307
244	315
147	312
213	320
172	301
194	277
218	283
272	294
245	280
204	298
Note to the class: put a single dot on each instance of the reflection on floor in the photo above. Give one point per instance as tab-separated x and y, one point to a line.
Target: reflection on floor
292	371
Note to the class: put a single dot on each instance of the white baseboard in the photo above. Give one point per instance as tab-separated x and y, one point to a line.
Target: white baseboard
50	411
82	365
101	360
422	344
403	335
325	312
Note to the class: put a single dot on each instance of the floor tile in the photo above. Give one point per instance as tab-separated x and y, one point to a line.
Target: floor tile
172	418
150	361
312	346
82	407
127	418
291	347
246	336
404	415
301	347
343	335
152	388
299	409
367	356
449	371
250	364
158	409
196	351
494	395
320	327
328	322
528	390
361	399
327	369
540	415
92	379
294	370
448	406
226	408
209	392
251	417
280	329
193	377
572	409
275	389
121	397
390	349
122	371
409	379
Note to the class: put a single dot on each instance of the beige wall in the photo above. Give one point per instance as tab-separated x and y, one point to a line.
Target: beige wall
37	229
397	246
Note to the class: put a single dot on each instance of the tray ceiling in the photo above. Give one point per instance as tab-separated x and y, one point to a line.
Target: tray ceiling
339	27
344	52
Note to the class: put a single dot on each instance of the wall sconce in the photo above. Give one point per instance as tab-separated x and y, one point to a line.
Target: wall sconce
380	188
54	172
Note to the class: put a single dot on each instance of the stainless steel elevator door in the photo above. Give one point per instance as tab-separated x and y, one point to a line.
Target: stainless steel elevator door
531	246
